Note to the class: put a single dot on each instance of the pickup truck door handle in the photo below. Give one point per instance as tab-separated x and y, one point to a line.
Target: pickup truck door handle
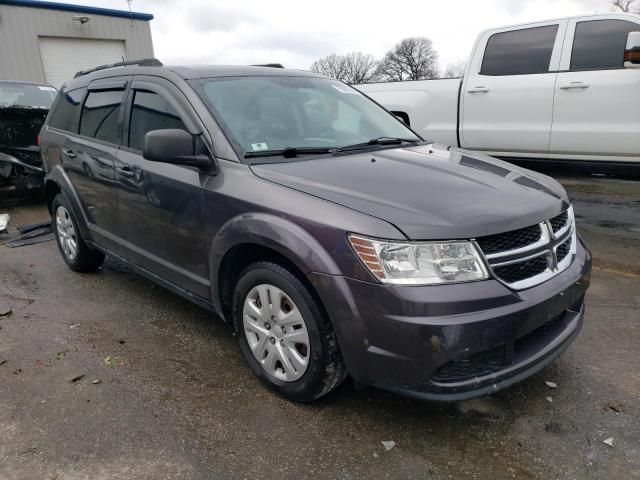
478	90
126	171
572	85
69	153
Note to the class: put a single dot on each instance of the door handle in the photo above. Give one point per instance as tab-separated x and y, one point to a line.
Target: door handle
69	153
126	172
478	90
574	85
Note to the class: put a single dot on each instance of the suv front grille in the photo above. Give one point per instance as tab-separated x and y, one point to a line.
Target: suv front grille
529	256
510	240
563	250
517	272
557	223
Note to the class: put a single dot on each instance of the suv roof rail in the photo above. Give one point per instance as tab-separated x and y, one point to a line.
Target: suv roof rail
270	65
145	62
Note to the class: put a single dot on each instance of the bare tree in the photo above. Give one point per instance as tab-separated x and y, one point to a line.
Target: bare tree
331	66
455	69
361	68
353	68
413	58
625	6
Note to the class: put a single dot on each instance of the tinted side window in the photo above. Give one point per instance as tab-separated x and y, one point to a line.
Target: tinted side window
100	117
66	113
150	112
519	52
600	44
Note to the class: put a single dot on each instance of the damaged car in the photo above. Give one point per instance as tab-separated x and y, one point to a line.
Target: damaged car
23	109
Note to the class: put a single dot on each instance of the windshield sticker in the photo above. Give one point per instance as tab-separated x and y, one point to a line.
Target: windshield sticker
344	89
257	147
47	89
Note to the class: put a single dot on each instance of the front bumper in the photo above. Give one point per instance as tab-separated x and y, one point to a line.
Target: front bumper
454	342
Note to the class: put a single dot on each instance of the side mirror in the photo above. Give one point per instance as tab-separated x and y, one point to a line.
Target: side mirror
632	52
403	117
173	146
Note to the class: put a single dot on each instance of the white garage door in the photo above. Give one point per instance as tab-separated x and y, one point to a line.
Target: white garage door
63	57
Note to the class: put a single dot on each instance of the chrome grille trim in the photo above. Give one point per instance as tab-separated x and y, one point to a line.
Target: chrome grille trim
544	240
547	246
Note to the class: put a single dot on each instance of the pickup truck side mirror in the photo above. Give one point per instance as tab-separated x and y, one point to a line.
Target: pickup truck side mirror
632	52
173	146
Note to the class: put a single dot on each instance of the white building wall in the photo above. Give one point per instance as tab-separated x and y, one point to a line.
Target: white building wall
21	27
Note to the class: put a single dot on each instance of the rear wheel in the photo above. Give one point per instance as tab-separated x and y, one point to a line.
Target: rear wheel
284	335
75	252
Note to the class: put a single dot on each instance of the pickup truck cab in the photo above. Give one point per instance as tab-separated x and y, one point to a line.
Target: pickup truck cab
566	89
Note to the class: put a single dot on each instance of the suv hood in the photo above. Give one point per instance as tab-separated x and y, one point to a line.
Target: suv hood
428	192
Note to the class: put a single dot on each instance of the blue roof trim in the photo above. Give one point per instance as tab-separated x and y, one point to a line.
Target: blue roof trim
66	7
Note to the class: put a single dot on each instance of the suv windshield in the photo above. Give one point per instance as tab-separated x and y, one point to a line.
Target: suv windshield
14	94
269	114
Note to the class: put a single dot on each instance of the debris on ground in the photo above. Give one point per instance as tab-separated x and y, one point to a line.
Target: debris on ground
74	326
608	441
31	237
616	407
549	399
388	444
96	381
114	362
551	384
62	355
553	427
2	362
4	312
17	371
77	378
4	222
33	226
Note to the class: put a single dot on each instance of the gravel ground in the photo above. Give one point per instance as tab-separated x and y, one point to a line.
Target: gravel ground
107	376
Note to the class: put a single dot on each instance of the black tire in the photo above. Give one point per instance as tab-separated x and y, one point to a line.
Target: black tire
326	369
85	258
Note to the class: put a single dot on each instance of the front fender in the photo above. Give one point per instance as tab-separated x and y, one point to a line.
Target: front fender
274	232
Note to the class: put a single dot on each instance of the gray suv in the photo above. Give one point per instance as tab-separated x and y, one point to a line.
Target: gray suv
335	239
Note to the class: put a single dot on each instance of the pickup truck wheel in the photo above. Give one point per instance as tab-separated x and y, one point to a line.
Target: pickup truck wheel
75	252
284	335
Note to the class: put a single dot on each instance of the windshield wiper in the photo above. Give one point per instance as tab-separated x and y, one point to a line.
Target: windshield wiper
377	141
289	152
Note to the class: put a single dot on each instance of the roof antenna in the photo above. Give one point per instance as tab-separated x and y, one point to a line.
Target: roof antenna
130	12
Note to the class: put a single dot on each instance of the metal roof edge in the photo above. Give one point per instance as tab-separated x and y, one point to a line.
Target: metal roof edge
67	7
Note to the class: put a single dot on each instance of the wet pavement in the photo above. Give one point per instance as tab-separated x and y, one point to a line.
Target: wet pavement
106	376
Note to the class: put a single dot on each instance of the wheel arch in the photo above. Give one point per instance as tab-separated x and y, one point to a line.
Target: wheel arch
247	239
57	182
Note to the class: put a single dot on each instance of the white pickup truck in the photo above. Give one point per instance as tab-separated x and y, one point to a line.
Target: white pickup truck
559	90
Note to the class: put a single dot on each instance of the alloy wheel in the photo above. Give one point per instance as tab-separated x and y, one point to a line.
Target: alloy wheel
66	233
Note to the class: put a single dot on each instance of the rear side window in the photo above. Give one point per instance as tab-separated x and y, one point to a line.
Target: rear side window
66	112
150	112
100	117
519	52
600	44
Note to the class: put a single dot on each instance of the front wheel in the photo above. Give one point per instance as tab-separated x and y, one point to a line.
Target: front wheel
284	335
75	252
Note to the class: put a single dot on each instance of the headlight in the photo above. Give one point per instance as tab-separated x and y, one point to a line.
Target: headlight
420	263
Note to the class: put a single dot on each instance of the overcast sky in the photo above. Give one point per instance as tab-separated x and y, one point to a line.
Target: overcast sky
297	32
